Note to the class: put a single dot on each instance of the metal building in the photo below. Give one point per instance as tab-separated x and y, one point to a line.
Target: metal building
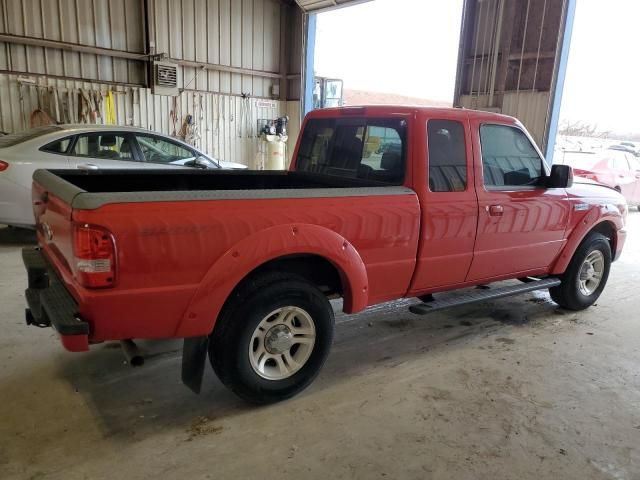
229	63
512	60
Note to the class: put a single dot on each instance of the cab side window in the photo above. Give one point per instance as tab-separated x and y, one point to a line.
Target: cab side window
509	160
447	156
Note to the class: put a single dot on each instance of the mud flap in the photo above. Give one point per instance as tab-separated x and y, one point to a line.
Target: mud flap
194	356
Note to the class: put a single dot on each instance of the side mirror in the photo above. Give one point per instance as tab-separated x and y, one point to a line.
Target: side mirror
561	177
199	162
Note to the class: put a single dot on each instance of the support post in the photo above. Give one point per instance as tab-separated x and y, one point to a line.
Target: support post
557	86
309	62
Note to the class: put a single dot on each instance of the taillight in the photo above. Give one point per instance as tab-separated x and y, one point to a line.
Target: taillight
94	252
3	166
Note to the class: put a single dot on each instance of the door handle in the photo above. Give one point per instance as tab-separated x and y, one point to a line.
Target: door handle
88	166
495	210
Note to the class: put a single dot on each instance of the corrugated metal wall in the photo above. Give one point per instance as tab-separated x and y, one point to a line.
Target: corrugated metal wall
113	24
529	107
223	122
244	34
509	57
234	33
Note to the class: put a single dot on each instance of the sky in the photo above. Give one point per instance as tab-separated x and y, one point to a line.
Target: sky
377	46
410	47
603	74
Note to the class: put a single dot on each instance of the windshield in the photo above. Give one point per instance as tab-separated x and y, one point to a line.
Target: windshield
16	138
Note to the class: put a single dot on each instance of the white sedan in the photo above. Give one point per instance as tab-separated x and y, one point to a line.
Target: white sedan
85	147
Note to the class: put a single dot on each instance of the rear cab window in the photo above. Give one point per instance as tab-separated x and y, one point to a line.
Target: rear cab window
364	148
509	159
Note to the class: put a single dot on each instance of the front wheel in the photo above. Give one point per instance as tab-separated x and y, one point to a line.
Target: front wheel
272	339
586	275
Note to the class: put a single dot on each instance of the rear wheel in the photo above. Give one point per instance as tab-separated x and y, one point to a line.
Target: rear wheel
586	276
273	338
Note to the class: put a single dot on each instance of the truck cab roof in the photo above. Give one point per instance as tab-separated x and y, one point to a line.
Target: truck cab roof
373	110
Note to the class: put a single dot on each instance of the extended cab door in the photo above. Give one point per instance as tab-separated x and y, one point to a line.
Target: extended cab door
521	224
449	215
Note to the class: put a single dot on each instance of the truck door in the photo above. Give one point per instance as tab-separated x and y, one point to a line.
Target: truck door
521	224
449	204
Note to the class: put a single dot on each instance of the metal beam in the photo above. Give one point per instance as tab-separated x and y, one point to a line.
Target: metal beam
224	68
71	47
140	57
559	75
69	78
308	77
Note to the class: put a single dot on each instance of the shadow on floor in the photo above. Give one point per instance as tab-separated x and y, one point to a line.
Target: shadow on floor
11	236
132	403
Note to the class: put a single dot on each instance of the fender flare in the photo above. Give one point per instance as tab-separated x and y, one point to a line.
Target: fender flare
261	247
594	218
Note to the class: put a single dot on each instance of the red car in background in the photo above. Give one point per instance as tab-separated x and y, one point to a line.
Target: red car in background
615	168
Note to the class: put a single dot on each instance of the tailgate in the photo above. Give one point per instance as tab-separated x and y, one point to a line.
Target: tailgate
52	210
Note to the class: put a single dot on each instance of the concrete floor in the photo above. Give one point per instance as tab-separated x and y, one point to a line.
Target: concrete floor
514	388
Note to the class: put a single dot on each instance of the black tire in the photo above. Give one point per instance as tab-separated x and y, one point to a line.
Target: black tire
248	307
568	294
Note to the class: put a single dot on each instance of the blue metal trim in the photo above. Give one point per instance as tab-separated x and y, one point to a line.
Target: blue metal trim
562	72
309	70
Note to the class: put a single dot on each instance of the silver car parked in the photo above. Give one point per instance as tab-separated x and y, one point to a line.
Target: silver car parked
85	147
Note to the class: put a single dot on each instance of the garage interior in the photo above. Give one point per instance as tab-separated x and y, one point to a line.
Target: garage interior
511	388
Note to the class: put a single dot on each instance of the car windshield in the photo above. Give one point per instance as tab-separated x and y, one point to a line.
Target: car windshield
16	138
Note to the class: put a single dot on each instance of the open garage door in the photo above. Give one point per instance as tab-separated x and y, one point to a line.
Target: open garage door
316	6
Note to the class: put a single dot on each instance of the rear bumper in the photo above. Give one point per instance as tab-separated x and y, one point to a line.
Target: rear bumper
50	304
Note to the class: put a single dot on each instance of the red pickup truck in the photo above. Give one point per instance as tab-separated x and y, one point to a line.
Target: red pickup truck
380	203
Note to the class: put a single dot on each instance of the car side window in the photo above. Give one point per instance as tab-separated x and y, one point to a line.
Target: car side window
108	146
59	146
447	156
160	150
509	159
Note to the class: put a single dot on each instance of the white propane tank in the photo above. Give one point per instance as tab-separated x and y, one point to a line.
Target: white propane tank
276	152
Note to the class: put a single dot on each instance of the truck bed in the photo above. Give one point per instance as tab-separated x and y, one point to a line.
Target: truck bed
90	190
189	180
